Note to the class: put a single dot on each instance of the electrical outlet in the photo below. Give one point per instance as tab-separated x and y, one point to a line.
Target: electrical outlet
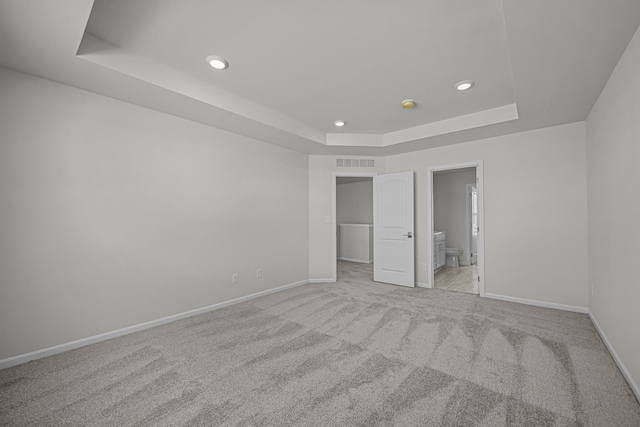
424	265
236	278
259	273
327	219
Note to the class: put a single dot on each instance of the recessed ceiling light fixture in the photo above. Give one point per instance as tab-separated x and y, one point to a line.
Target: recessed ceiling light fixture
464	85
339	123
217	62
408	104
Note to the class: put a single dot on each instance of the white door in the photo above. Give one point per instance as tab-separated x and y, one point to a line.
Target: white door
393	252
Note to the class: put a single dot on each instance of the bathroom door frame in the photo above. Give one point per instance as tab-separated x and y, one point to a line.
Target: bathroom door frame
334	218
470	188
479	165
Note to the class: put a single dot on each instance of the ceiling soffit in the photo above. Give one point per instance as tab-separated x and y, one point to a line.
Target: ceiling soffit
378	56
560	56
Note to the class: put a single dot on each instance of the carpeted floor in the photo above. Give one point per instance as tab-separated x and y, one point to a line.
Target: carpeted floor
351	353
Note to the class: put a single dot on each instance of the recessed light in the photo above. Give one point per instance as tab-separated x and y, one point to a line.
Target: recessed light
464	85
339	123
217	62
408	104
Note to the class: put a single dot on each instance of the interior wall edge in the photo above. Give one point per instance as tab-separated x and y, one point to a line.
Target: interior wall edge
623	369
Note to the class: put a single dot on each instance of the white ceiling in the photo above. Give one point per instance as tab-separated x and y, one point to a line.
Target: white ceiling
318	61
296	66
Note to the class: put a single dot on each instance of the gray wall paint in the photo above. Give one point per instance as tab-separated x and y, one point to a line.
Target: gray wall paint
450	207
113	215
613	173
527	232
354	202
535	208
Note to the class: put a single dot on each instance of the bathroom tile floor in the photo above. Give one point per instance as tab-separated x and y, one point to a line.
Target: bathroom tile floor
460	279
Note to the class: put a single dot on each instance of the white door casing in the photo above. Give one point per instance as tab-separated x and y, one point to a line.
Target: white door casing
393	232
479	165
472	223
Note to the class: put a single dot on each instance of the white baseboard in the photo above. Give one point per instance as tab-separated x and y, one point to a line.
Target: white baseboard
38	354
361	261
623	369
321	281
564	307
423	285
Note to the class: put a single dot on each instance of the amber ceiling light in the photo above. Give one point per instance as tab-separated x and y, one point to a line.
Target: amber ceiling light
408	104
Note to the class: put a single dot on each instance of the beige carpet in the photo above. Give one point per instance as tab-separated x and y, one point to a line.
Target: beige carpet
350	353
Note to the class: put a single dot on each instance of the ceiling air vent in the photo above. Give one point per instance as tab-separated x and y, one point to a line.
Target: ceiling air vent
355	163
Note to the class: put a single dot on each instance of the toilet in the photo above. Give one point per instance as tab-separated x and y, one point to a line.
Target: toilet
452	255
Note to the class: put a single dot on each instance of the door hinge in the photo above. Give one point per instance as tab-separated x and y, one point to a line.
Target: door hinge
478	278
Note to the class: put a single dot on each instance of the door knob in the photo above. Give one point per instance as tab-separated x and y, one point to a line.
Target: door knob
410	235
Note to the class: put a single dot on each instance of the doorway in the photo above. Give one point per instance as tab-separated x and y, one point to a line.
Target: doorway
353	226
391	239
454	199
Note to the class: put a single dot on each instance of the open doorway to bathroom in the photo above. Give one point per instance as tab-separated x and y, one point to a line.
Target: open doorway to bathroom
455	200
354	228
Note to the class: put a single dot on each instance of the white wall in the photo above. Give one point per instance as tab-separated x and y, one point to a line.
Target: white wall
535	210
450	207
355	242
613	176
355	202
321	170
113	215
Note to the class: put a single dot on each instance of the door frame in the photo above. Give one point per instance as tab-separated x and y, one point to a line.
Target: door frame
479	165
334	219
469	187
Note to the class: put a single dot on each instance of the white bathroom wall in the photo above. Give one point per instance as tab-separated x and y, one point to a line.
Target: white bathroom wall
450	207
321	172
535	211
355	243
354	202
112	215
613	176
